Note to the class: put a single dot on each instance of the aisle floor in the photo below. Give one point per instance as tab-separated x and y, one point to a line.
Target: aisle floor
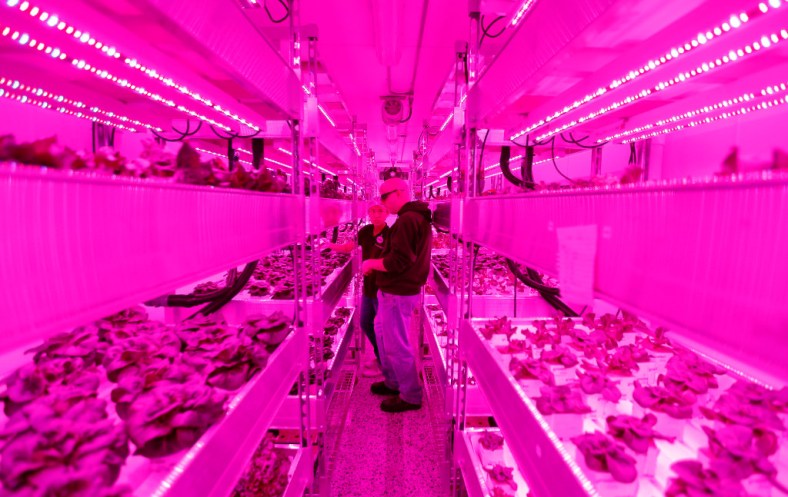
387	455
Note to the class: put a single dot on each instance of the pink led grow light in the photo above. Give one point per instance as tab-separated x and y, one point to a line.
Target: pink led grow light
708	120
733	22
54	21
18	86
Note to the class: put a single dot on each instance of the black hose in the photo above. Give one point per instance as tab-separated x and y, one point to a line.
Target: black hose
194	300
528	168
552	151
231	291
550	294
553	300
531	283
506	153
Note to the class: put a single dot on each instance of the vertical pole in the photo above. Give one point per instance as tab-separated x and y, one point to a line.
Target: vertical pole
258	152
359	343
596	162
230	154
458	266
645	158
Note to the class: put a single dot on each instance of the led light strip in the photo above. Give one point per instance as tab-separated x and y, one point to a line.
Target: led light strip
53	21
355	145
123	83
440	177
285	151
60	99
320	108
25	40
265	158
325	114
734	21
525	7
217	154
273	161
732	56
746	97
708	120
447	121
680	117
63	110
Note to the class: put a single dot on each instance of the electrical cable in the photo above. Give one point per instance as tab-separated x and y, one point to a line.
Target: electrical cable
271	16
555	165
410	113
486	29
577	142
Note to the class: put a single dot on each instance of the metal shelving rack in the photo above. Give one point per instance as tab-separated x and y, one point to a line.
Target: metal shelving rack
62	260
699	256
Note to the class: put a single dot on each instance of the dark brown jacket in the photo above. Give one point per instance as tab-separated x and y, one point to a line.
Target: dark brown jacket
407	250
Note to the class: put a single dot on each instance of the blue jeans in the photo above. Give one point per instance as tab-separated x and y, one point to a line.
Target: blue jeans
397	361
369	309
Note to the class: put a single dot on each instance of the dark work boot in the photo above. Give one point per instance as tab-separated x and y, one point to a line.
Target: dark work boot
380	388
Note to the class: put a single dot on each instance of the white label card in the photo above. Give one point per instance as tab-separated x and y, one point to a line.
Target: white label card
577	262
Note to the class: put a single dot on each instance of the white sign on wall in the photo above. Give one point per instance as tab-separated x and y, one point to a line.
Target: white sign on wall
577	262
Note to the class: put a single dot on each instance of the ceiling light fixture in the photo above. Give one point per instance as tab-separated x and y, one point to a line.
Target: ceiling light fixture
388	18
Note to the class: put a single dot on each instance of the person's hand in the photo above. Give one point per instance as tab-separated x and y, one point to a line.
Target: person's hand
366	267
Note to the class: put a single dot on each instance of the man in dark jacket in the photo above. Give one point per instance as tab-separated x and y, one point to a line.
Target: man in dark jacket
401	272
